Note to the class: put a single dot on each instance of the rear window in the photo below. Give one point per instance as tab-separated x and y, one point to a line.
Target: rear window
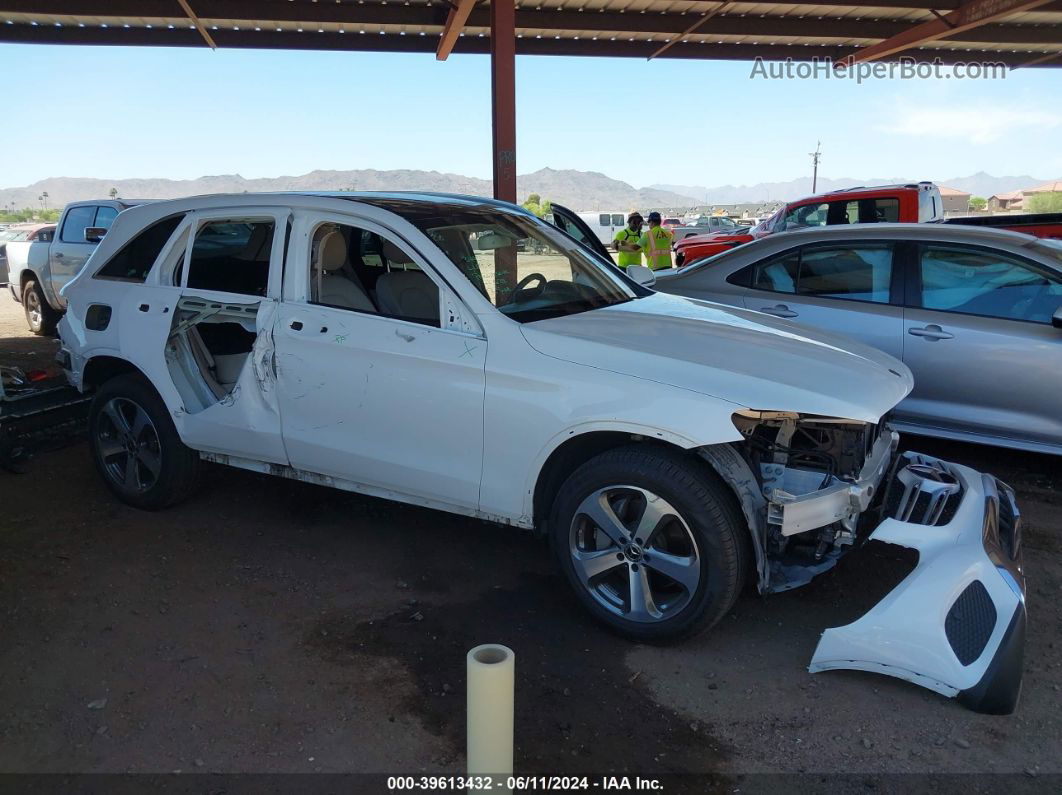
134	260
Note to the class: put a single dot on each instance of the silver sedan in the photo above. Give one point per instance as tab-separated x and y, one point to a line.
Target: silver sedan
975	313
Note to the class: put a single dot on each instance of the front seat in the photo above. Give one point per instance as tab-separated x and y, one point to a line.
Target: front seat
337	287
408	294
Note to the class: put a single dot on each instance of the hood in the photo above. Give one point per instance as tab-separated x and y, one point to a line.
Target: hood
748	358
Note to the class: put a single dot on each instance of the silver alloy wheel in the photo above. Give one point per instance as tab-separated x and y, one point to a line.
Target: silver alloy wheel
634	553
128	445
33	309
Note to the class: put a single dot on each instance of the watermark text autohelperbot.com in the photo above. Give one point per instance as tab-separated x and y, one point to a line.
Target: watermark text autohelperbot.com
901	69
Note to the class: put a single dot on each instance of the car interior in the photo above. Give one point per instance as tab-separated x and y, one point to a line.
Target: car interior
357	269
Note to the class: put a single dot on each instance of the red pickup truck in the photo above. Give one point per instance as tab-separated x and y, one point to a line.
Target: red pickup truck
915	203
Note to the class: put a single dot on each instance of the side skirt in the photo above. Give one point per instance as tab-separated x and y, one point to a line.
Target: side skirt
291	473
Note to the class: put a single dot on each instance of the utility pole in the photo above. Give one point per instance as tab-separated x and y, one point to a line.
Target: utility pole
815	166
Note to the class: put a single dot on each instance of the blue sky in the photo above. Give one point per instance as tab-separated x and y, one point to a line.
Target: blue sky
182	113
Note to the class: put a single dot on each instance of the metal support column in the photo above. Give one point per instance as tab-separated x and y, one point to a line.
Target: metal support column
503	96
503	123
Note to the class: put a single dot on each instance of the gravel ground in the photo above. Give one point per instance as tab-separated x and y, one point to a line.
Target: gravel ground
274	626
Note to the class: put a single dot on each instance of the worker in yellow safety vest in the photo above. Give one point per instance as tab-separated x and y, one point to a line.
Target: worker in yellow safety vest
656	244
628	242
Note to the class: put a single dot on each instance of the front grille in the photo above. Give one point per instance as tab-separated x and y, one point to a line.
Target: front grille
970	622
924	492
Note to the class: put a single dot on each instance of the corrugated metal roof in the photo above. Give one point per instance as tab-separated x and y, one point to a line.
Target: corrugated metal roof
617	28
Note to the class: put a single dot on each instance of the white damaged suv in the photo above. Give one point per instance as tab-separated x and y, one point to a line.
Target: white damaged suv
461	354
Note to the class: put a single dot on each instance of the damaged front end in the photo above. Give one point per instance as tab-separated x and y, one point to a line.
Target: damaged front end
812	487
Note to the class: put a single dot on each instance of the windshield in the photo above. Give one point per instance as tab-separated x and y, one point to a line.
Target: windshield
527	268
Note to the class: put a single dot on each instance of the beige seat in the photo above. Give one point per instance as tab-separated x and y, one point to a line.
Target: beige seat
338	285
406	293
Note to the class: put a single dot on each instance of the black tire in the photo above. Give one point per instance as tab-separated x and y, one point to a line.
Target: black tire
708	528
40	317
149	468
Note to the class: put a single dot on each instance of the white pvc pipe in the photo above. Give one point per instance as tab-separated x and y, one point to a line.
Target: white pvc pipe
491	671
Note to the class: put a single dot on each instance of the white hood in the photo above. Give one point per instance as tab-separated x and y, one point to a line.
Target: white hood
747	358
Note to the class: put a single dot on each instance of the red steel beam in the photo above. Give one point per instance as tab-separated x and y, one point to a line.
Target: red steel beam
503	96
503	126
969	15
455	23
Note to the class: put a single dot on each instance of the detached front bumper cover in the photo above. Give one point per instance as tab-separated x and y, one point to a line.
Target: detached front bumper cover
956	624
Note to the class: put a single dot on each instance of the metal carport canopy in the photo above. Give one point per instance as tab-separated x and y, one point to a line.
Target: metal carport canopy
1011	32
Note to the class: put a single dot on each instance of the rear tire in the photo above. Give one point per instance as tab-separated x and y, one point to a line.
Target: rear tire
672	559
40	317
136	448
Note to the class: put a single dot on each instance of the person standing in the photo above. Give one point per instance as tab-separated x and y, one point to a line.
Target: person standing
656	243
628	242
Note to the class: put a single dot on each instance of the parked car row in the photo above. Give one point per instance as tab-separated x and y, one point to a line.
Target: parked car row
461	354
911	203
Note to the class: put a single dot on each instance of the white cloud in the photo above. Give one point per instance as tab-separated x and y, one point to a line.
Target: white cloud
977	125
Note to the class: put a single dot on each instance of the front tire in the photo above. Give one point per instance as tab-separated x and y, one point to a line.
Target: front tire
651	541
136	447
40	317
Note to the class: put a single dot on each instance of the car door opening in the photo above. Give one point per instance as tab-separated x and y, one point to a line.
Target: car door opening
208	348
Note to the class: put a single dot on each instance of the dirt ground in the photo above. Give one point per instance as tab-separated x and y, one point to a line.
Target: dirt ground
275	626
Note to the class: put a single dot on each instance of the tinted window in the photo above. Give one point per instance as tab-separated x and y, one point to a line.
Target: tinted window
886	211
136	257
985	283
232	256
105	217
779	275
603	219
861	273
618	220
77	220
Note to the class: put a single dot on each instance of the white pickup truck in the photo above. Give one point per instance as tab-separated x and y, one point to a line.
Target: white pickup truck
52	261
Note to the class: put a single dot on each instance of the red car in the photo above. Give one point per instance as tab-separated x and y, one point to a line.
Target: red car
886	203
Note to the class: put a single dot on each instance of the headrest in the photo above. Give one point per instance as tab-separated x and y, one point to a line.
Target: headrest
332	252
395	255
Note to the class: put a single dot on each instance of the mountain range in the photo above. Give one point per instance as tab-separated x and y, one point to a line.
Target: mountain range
579	190
576	189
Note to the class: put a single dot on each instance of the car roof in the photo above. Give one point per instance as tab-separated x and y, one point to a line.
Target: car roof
848	192
305	198
948	233
900	231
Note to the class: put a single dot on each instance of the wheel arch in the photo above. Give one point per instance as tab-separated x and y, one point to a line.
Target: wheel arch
572	449
27	274
102	368
722	460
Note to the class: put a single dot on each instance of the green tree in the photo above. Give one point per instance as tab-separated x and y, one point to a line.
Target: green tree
536	205
113	192
977	203
1045	203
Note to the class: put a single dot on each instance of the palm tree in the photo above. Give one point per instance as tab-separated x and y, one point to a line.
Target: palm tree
44	200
